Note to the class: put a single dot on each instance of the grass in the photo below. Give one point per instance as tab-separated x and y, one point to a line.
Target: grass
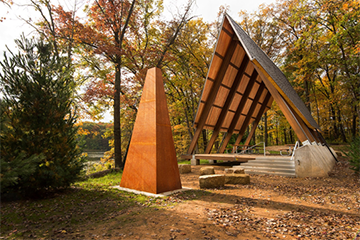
85	203
202	161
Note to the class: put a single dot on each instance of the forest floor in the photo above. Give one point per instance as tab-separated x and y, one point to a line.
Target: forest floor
270	207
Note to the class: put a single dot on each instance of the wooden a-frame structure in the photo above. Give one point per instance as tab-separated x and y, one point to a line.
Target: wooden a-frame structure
241	84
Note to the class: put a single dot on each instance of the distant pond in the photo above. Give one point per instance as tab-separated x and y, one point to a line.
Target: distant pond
94	156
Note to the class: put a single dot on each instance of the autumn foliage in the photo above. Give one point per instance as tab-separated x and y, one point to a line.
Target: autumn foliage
315	43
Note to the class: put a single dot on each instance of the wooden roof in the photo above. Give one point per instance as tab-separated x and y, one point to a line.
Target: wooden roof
240	86
233	85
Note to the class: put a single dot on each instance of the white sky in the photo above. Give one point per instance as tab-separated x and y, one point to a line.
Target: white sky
12	27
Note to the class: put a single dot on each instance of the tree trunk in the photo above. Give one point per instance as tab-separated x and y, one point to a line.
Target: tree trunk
291	136
265	130
205	141
341	127
354	123
285	138
307	95
117	126
253	136
333	119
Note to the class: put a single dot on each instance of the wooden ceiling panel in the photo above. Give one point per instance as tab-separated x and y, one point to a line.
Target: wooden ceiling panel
235	102
256	111
243	84
240	122
228	27
237	58
263	95
254	90
221	96
213	116
250	68
215	66
228	119
247	106
229	76
225	39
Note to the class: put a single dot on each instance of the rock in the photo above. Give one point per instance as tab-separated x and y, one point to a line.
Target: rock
212	181
237	170
207	171
339	154
184	168
237	179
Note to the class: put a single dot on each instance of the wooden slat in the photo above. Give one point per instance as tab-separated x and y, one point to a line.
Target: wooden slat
226	106
239	111
249	114
227	32
299	120
220	56
211	98
283	107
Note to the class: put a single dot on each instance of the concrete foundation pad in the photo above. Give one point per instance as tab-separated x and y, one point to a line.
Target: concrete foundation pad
313	161
164	194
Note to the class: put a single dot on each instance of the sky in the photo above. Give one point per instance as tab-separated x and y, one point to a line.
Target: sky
12	27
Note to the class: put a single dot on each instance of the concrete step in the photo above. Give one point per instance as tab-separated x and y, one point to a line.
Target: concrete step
280	167
269	166
271	169
274	158
290	164
259	172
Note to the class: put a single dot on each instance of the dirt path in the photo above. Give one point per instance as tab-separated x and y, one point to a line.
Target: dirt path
271	207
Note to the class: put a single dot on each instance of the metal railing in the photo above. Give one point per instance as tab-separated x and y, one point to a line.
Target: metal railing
297	144
249	150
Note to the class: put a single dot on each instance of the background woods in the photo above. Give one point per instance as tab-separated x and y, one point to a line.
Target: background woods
316	44
111	44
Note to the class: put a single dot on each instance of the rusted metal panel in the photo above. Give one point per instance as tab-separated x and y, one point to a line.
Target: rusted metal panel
151	163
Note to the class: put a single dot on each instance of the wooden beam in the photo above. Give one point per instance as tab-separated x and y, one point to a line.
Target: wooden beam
318	136
304	127
249	114
307	130
258	117
212	95
283	107
239	110
227	103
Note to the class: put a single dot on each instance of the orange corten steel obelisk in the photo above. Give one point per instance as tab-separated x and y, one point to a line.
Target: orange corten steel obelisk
151	163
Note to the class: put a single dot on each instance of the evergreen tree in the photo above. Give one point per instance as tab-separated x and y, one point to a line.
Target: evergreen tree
38	137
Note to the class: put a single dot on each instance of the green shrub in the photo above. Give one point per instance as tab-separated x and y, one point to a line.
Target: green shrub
354	155
38	136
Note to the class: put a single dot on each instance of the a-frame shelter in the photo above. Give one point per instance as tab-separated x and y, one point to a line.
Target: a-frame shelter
241	84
